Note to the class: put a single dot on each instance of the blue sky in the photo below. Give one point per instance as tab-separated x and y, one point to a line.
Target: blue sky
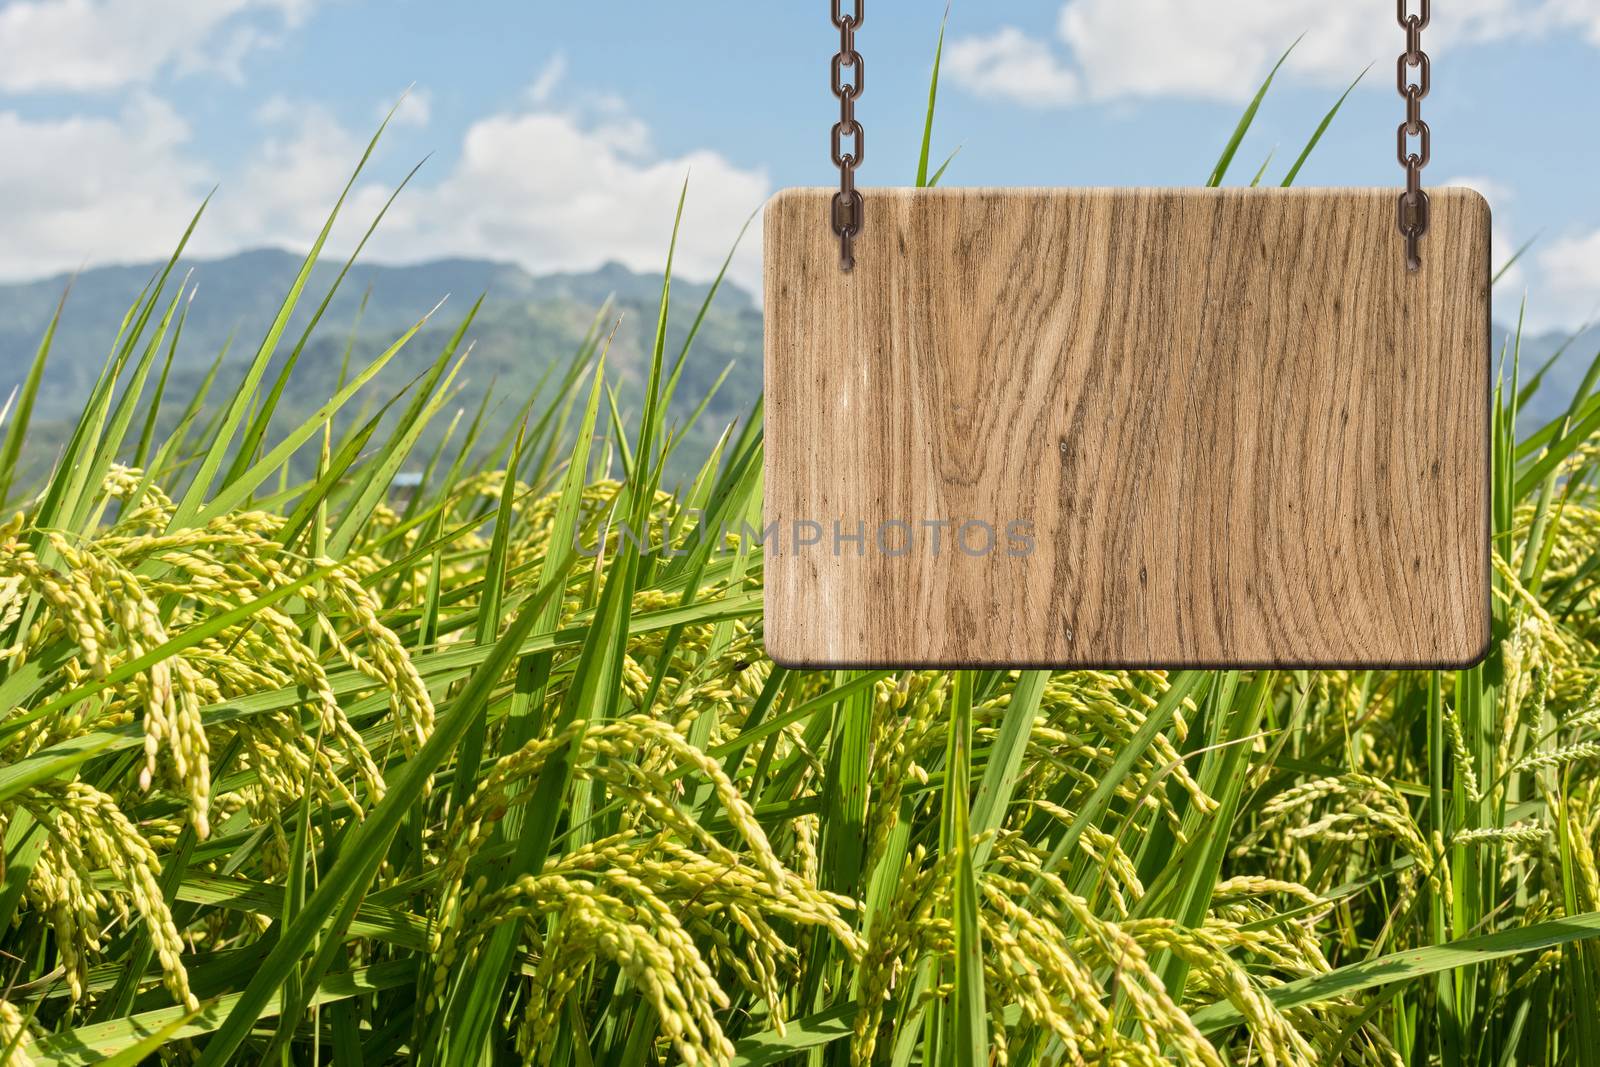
557	134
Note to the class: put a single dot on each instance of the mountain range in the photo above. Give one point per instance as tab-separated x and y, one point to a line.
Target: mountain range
527	325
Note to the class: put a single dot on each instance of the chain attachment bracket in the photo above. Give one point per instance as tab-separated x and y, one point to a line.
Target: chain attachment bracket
848	211
1413	209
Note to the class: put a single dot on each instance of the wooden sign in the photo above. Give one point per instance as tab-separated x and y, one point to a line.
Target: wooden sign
1127	427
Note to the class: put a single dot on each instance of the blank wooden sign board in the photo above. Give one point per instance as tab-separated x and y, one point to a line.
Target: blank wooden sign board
1127	427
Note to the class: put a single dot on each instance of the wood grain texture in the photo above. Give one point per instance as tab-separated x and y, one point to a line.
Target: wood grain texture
1240	432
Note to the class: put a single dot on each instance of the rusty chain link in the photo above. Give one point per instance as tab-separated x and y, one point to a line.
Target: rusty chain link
848	208
1414	207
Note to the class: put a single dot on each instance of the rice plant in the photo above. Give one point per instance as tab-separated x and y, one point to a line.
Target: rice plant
313	770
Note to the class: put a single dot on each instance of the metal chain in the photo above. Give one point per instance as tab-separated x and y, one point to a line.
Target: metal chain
848	209
1414	207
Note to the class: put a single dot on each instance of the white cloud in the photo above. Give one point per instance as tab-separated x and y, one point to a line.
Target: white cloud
102	45
552	191
84	189
282	194
1567	293
415	108
549	79
548	190
123	187
1571	269
1582	13
1109	49
1010	65
1568	269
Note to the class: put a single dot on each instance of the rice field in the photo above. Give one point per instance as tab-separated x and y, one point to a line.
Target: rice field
306	770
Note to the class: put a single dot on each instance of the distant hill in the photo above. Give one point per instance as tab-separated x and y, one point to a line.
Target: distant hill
527	325
1560	381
